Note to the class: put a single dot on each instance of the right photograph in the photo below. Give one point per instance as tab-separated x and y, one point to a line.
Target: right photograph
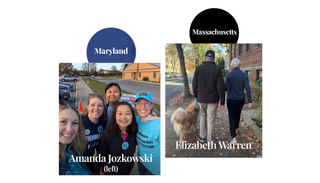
213	100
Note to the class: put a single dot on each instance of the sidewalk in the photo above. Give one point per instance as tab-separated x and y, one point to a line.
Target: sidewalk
245	136
82	93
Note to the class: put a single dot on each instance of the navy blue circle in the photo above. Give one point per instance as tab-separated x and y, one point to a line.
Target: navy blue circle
111	45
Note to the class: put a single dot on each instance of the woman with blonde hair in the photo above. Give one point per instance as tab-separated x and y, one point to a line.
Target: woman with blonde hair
94	122
72	141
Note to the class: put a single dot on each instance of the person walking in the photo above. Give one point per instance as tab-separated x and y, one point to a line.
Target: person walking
235	83
72	141
208	89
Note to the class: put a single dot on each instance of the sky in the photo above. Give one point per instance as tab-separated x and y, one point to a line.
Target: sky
104	66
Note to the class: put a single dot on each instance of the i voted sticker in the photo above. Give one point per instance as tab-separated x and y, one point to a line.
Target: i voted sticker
125	145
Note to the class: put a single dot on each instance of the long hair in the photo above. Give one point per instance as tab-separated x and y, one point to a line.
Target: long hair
154	112
79	143
113	126
85	112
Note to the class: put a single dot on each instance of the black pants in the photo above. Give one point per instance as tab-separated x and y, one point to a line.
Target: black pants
234	111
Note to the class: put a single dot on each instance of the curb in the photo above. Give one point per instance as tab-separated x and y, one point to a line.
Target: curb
254	128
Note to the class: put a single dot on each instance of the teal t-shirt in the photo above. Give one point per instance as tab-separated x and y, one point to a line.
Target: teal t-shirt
148	139
75	167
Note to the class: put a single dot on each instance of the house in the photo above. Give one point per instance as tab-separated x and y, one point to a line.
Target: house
250	56
137	71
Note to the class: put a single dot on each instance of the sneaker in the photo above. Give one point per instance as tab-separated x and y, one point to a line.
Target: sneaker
233	141
202	140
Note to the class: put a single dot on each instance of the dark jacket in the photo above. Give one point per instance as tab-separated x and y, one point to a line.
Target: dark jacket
235	82
112	145
207	84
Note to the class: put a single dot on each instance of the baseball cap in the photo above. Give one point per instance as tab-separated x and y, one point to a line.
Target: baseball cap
145	95
210	53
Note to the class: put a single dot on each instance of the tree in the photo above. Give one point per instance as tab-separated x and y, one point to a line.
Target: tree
86	67
123	66
183	70
171	51
101	72
65	68
90	68
93	68
196	52
114	69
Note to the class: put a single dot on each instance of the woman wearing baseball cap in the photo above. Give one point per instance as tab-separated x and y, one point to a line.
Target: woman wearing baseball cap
148	135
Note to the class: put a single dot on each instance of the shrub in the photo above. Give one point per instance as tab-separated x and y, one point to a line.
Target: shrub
256	92
256	95
145	78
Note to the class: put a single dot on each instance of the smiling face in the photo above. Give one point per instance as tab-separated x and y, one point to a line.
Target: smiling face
68	126
113	94
123	117
95	109
143	110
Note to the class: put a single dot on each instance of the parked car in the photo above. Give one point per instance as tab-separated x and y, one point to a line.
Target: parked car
64	102
71	74
92	76
168	75
178	75
68	84
64	92
66	77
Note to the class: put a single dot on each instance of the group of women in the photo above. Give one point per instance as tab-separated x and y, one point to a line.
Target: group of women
113	131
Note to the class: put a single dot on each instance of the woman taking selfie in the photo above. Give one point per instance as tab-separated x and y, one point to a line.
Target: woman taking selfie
72	141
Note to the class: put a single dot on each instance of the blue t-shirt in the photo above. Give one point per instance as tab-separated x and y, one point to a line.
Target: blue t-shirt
148	139
93	132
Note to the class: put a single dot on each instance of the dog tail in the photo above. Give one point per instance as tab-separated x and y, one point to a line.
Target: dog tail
177	118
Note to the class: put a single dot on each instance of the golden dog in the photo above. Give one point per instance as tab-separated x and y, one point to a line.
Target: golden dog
182	119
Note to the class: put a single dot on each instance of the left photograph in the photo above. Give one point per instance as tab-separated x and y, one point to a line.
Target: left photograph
109	118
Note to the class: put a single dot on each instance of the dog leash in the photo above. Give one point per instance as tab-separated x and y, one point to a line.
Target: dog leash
197	109
197	105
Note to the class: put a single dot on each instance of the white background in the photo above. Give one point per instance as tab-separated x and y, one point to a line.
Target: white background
37	35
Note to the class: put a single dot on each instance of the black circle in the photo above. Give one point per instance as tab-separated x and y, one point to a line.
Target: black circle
214	26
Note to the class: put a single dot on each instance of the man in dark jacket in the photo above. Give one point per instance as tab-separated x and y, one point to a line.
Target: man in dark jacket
208	89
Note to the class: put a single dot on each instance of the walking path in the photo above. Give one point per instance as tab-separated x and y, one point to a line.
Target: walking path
251	145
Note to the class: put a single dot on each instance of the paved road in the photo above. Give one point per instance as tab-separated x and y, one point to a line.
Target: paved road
135	87
174	86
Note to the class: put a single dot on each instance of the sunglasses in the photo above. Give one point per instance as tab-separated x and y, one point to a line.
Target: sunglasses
63	102
90	94
146	104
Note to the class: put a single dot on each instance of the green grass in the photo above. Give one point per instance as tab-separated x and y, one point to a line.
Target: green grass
109	76
99	87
